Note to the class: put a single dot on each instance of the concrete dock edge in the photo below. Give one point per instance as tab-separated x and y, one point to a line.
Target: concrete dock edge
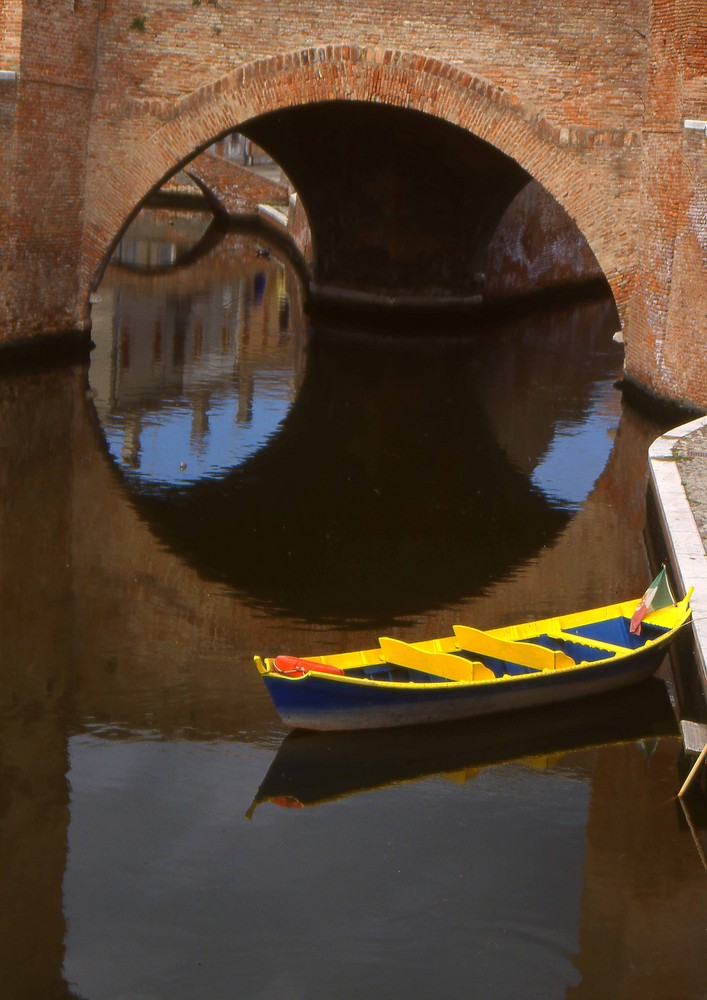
684	539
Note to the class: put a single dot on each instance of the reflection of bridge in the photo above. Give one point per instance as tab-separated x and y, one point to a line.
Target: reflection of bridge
354	451
378	496
407	137
86	535
172	339
104	579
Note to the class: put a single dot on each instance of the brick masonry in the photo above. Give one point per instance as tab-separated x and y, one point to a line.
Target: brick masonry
10	34
536	248
667	347
589	101
236	190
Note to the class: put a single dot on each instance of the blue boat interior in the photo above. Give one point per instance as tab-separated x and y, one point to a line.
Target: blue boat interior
404	675
577	651
617	632
501	668
394	673
614	631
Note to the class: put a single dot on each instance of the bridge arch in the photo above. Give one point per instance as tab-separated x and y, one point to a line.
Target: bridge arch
591	173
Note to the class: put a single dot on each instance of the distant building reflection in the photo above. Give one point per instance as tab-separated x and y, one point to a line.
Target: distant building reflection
185	355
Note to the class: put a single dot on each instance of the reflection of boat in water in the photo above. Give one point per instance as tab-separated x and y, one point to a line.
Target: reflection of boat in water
310	768
474	673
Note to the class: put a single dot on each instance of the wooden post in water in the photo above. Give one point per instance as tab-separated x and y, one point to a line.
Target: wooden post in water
693	771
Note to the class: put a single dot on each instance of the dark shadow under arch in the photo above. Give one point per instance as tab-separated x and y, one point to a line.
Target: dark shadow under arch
402	205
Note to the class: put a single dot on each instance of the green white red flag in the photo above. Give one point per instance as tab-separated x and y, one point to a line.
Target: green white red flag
657	596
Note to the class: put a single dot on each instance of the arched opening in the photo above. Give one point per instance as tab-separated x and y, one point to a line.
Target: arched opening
365	101
402	205
390	210
406	210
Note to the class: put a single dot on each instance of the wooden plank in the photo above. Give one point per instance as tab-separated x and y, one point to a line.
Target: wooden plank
453	668
524	653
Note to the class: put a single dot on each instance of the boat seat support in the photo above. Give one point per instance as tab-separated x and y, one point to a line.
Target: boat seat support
446	665
526	654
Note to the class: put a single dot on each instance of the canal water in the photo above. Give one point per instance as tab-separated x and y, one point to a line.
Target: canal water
227	478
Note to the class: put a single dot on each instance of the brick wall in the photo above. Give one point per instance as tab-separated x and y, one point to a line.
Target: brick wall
237	190
561	58
45	129
163	79
10	32
536	248
666	343
113	98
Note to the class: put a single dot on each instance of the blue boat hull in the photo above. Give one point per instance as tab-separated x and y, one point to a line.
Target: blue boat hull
329	703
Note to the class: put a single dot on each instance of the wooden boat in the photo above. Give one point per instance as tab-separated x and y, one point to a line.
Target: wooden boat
473	673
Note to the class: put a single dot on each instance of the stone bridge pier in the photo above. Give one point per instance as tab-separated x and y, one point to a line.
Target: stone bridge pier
409	134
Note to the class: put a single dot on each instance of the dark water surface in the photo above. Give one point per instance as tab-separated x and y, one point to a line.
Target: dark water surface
225	480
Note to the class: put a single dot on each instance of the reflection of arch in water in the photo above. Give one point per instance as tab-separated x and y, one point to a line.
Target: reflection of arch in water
210	239
373	498
183	684
210	242
184	357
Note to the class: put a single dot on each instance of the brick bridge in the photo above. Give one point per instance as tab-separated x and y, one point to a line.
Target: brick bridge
408	131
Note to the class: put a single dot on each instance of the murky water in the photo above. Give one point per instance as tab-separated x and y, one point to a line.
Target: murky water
226	480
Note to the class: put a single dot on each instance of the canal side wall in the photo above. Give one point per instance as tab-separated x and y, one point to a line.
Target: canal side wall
46	114
678	480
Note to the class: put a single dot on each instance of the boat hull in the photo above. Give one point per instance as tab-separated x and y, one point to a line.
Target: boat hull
323	703
473	673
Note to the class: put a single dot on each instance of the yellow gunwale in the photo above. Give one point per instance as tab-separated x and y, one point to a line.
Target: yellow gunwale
670	617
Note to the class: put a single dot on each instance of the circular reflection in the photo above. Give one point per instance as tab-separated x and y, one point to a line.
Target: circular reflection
194	367
409	473
558	474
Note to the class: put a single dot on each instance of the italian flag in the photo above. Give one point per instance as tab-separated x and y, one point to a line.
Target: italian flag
657	596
